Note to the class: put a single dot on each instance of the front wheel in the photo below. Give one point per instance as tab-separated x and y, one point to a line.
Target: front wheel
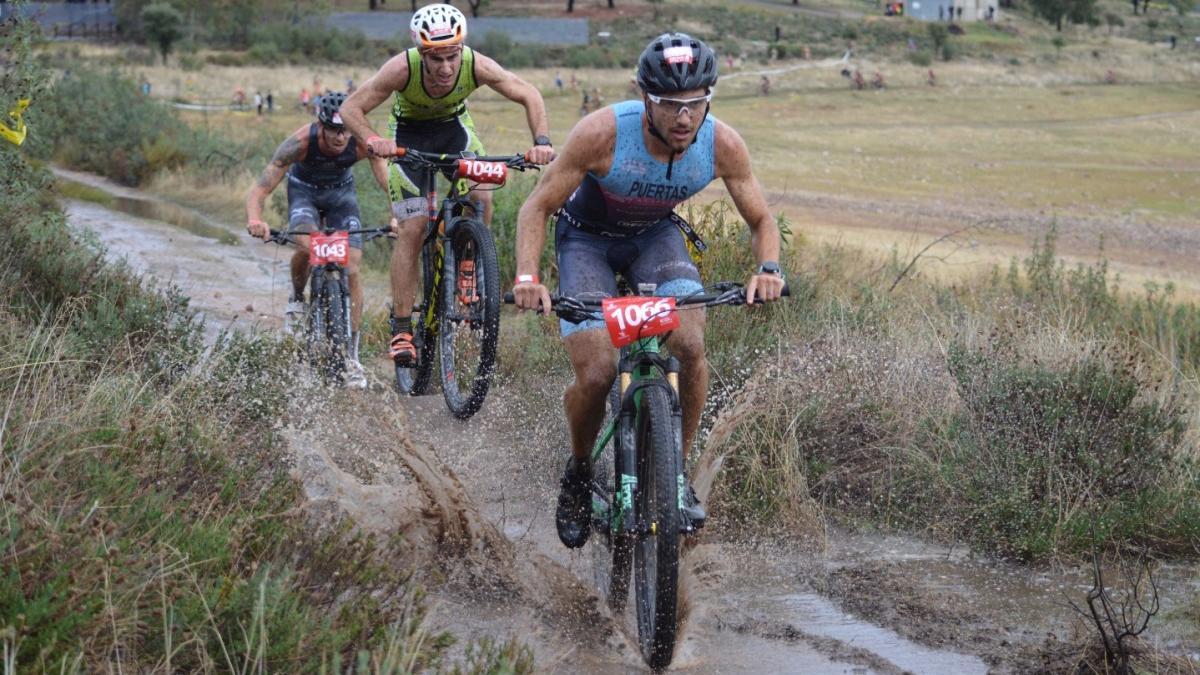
470	316
611	552
656	553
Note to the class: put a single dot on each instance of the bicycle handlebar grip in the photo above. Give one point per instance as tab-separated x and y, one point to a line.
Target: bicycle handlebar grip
786	292
400	151
509	299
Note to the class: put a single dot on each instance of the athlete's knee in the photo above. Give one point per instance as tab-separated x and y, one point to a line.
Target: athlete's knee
595	376
687	346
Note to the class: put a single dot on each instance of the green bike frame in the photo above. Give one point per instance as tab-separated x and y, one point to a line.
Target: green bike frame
641	365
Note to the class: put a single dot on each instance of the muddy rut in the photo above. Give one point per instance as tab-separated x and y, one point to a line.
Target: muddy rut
474	504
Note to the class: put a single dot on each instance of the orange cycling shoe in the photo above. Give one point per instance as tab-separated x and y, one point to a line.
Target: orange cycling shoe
402	350
466	282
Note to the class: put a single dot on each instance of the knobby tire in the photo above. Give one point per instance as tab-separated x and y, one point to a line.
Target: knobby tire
656	557
336	300
415	380
611	554
467	333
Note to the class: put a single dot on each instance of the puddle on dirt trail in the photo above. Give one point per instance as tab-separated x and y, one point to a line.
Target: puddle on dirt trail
159	210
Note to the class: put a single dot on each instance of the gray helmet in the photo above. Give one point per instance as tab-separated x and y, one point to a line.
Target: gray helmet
328	112
676	62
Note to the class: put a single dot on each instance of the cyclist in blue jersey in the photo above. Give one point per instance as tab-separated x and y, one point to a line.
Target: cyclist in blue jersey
620	174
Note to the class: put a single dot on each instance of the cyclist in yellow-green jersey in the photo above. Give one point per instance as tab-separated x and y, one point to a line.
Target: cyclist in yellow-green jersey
431	83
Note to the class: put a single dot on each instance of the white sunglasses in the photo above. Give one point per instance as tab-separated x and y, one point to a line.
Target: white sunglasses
694	106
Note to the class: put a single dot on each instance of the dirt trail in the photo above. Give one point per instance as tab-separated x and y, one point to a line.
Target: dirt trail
474	502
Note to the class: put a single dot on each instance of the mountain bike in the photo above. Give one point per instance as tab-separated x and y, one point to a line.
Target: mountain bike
641	500
457	315
327	331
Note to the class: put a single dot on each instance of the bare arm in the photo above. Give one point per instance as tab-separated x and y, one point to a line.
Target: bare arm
379	166
291	150
389	79
517	90
588	148
733	166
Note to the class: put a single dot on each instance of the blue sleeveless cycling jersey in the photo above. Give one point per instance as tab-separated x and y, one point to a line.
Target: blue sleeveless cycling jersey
636	194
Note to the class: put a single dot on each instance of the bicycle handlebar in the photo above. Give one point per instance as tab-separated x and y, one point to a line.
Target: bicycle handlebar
577	310
443	160
286	236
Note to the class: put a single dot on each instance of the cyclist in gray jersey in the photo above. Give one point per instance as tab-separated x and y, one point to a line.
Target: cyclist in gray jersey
316	160
621	172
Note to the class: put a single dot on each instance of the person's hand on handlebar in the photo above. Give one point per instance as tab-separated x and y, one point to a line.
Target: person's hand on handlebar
258	228
394	224
381	147
529	293
765	285
540	154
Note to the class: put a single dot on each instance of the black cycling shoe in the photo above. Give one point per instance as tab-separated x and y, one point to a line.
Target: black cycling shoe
573	518
693	512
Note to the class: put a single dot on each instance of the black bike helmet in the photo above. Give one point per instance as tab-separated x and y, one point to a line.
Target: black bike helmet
327	113
676	62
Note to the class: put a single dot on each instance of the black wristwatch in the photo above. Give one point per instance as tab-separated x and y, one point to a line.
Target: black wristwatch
543	140
770	267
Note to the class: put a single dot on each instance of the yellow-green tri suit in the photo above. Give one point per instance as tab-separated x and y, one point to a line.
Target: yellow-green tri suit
430	124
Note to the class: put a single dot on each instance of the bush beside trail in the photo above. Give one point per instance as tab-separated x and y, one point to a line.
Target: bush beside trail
1006	413
147	516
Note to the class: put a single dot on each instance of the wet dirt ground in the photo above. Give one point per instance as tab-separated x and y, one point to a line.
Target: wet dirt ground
475	502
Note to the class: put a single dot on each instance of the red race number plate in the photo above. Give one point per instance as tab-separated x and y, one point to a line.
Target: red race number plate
334	248
633	317
494	173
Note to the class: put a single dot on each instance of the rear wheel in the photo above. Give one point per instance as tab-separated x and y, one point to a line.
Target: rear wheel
414	379
469	325
656	553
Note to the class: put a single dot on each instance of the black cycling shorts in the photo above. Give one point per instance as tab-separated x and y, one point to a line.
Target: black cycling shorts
451	137
588	264
337	205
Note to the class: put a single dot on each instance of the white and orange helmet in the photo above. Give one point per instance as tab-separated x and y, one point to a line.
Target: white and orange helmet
436	26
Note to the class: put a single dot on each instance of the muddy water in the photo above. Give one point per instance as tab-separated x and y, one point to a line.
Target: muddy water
859	604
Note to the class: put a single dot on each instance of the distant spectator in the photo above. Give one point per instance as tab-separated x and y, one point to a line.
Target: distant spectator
350	86
807	53
931	79
304	99
586	106
729	61
942	12
959	11
764	86
991	13
270	102
877	81
145	87
258	101
597	99
859	82
574	83
1172	41
558	81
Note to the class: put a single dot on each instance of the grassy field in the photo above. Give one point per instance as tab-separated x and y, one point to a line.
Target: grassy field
890	169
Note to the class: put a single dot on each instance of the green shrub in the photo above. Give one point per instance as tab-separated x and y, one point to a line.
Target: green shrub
1058	443
920	58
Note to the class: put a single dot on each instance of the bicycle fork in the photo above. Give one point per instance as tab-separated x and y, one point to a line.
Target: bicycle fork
617	513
